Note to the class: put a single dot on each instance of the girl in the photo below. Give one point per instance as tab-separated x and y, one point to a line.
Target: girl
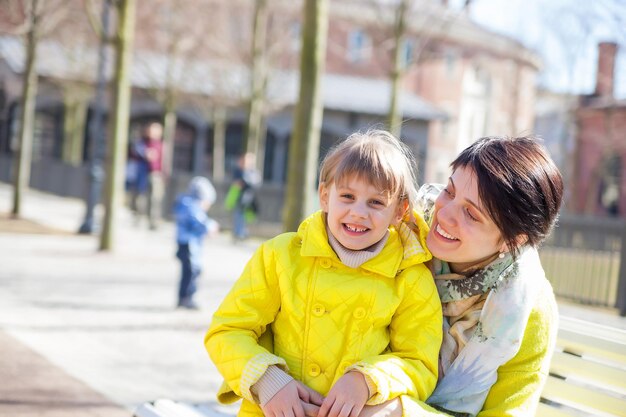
500	318
346	302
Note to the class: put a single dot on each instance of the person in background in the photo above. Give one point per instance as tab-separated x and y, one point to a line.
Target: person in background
500	316
345	306
241	198
192	225
150	182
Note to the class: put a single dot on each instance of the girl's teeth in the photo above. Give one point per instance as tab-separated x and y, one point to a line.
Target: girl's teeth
444	234
354	229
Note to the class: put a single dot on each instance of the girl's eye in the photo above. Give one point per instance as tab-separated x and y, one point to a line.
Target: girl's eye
378	203
346	196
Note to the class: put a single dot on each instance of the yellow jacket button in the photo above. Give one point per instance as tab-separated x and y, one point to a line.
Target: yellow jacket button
314	369
318	310
359	313
325	263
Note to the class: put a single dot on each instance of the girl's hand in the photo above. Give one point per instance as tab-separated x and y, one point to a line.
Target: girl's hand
309	395
294	400
347	397
310	410
285	403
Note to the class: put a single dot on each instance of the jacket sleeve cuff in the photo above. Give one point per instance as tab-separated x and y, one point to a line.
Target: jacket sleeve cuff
373	383
254	370
272	381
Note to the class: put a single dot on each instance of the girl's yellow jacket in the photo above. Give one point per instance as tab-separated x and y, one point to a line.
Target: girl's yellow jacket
322	318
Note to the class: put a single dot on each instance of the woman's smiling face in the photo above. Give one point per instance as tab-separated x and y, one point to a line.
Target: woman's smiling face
462	232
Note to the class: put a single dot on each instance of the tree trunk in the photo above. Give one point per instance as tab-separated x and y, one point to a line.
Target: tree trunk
27	118
257	78
170	119
120	107
397	73
74	120
304	148
219	144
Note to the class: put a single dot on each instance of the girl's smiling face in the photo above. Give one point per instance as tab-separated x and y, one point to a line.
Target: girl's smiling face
358	214
462	232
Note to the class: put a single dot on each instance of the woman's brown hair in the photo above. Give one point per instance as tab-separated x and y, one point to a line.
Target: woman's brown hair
519	185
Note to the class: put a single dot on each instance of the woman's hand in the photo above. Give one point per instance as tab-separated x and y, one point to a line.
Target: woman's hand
294	400
347	397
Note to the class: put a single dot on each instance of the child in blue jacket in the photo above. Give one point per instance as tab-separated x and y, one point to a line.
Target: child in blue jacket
192	224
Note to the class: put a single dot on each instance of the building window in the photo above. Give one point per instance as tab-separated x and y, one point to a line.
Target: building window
359	46
295	30
610	185
236	27
450	58
407	52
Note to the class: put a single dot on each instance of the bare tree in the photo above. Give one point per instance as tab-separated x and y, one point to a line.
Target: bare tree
399	65
304	148
258	77
214	105
254	49
174	47
122	41
33	19
397	22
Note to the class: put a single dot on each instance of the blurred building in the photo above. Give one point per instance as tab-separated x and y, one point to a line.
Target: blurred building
555	124
462	82
599	177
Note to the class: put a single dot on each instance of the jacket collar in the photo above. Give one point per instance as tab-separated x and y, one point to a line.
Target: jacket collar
405	246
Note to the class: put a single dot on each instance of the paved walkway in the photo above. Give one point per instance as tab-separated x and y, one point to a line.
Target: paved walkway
82	331
105	319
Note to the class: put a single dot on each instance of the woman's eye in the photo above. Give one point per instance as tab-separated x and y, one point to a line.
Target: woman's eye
469	213
448	192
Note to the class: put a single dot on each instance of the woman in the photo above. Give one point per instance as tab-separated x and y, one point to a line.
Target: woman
502	199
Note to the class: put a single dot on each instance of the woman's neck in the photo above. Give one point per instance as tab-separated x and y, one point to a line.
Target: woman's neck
465	268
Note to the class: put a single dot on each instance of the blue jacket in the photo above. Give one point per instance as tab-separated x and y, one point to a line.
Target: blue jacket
192	223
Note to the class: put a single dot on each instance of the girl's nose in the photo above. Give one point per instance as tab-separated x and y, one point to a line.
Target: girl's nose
358	210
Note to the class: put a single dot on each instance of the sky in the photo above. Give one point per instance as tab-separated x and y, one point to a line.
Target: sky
565	33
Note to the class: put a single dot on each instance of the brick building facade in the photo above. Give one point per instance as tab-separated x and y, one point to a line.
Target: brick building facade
462	82
600	169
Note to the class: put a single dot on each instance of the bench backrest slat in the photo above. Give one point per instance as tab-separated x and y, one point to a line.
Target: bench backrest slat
583	398
587	371
601	375
546	410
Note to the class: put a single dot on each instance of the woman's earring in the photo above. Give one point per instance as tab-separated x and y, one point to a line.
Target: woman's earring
501	255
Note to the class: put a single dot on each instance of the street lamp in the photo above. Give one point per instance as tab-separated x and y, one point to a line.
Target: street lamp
96	130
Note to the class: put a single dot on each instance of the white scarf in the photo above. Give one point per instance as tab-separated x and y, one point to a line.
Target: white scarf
496	339
498	334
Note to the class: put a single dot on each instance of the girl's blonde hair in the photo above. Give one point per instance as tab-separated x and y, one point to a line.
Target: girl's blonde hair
377	157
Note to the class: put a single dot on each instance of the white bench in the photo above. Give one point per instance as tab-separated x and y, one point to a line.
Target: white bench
169	408
587	372
587	377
